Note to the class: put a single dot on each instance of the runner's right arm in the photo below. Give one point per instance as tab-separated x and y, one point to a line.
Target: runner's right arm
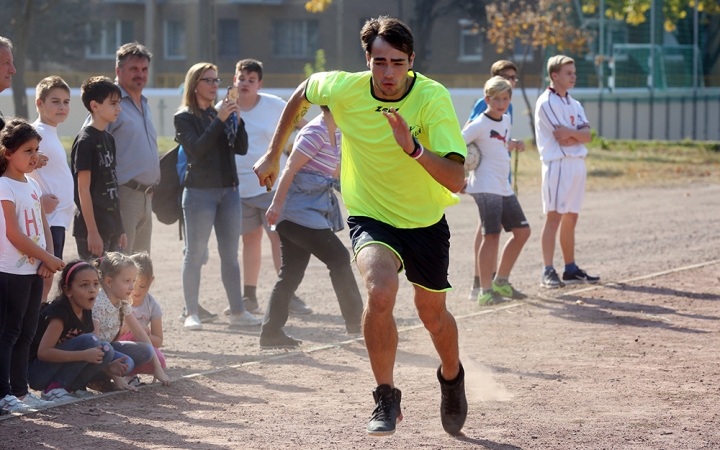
267	168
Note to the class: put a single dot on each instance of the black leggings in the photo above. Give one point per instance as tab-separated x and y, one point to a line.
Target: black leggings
297	243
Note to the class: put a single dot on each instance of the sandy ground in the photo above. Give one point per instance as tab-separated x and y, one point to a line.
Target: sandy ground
629	365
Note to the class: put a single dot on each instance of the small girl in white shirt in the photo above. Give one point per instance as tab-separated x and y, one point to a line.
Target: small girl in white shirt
112	310
24	262
148	313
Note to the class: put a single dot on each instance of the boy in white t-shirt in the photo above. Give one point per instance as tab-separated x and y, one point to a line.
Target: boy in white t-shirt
562	130
490	187
260	113
52	100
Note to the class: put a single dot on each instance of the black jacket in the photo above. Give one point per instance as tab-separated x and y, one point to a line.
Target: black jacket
211	159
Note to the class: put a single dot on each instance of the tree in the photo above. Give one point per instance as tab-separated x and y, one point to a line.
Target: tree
33	43
633	11
538	25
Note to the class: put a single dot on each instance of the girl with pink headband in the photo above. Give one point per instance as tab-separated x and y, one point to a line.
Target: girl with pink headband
65	354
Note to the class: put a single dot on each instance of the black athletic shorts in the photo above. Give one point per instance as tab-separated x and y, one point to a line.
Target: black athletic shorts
424	253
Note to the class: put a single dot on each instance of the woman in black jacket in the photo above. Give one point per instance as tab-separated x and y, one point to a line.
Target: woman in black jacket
211	139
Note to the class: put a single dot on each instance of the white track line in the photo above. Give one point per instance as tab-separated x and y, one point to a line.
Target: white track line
323	347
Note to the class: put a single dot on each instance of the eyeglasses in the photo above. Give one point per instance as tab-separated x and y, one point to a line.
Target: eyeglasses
511	78
211	80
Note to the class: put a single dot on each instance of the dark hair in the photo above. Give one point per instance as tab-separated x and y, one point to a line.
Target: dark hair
144	263
249	65
48	84
112	264
74	267
501	66
393	31
325	108
98	89
131	49
16	132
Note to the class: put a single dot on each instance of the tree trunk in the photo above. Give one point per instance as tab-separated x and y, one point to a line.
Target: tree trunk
23	23
530	108
422	25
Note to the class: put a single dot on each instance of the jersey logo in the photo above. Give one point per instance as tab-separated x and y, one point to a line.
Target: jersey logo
495	135
572	120
416	130
383	109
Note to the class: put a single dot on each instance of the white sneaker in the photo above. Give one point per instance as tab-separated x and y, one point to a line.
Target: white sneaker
474	294
192	323
57	395
13	404
245	320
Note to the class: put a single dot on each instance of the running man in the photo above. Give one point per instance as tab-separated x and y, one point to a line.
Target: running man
398	175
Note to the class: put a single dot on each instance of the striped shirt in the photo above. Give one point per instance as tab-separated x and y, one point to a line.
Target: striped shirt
313	141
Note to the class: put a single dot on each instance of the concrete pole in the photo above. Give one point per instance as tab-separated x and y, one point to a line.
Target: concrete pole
696	59
150	39
602	45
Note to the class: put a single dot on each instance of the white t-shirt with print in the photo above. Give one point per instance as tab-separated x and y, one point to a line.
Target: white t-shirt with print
492	138
55	178
26	196
148	311
108	315
260	124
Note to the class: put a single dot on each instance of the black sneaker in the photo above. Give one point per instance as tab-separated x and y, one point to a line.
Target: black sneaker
579	277
251	305
551	280
278	340
387	412
204	315
453	405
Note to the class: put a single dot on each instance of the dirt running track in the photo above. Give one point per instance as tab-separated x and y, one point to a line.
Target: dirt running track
629	365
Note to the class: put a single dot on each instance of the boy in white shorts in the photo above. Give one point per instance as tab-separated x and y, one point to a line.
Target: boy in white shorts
562	130
490	187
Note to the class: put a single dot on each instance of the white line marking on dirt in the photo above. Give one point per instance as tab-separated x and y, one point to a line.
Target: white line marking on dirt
317	348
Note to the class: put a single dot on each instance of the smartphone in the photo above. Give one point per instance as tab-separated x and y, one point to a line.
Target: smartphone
232	94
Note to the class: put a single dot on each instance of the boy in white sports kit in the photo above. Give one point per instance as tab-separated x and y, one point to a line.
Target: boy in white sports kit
489	186
562	130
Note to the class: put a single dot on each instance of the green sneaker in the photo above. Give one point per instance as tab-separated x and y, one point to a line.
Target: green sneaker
490	298
508	291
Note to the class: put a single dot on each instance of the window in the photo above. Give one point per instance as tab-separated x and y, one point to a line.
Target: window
470	41
105	36
174	39
295	38
228	38
519	51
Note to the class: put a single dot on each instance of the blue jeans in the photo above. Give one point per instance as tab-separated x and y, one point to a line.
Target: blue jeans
72	375
203	209
138	353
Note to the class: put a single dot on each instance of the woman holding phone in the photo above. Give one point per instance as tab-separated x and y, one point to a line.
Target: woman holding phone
210	198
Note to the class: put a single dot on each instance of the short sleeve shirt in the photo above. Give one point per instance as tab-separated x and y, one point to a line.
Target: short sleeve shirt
313	141
492	137
551	112
108	315
148	311
378	179
26	196
73	326
94	150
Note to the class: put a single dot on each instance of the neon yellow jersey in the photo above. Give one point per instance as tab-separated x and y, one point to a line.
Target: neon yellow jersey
379	180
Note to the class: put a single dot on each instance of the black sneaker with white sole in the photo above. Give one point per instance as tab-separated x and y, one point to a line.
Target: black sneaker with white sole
579	277
387	412
551	280
453	404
